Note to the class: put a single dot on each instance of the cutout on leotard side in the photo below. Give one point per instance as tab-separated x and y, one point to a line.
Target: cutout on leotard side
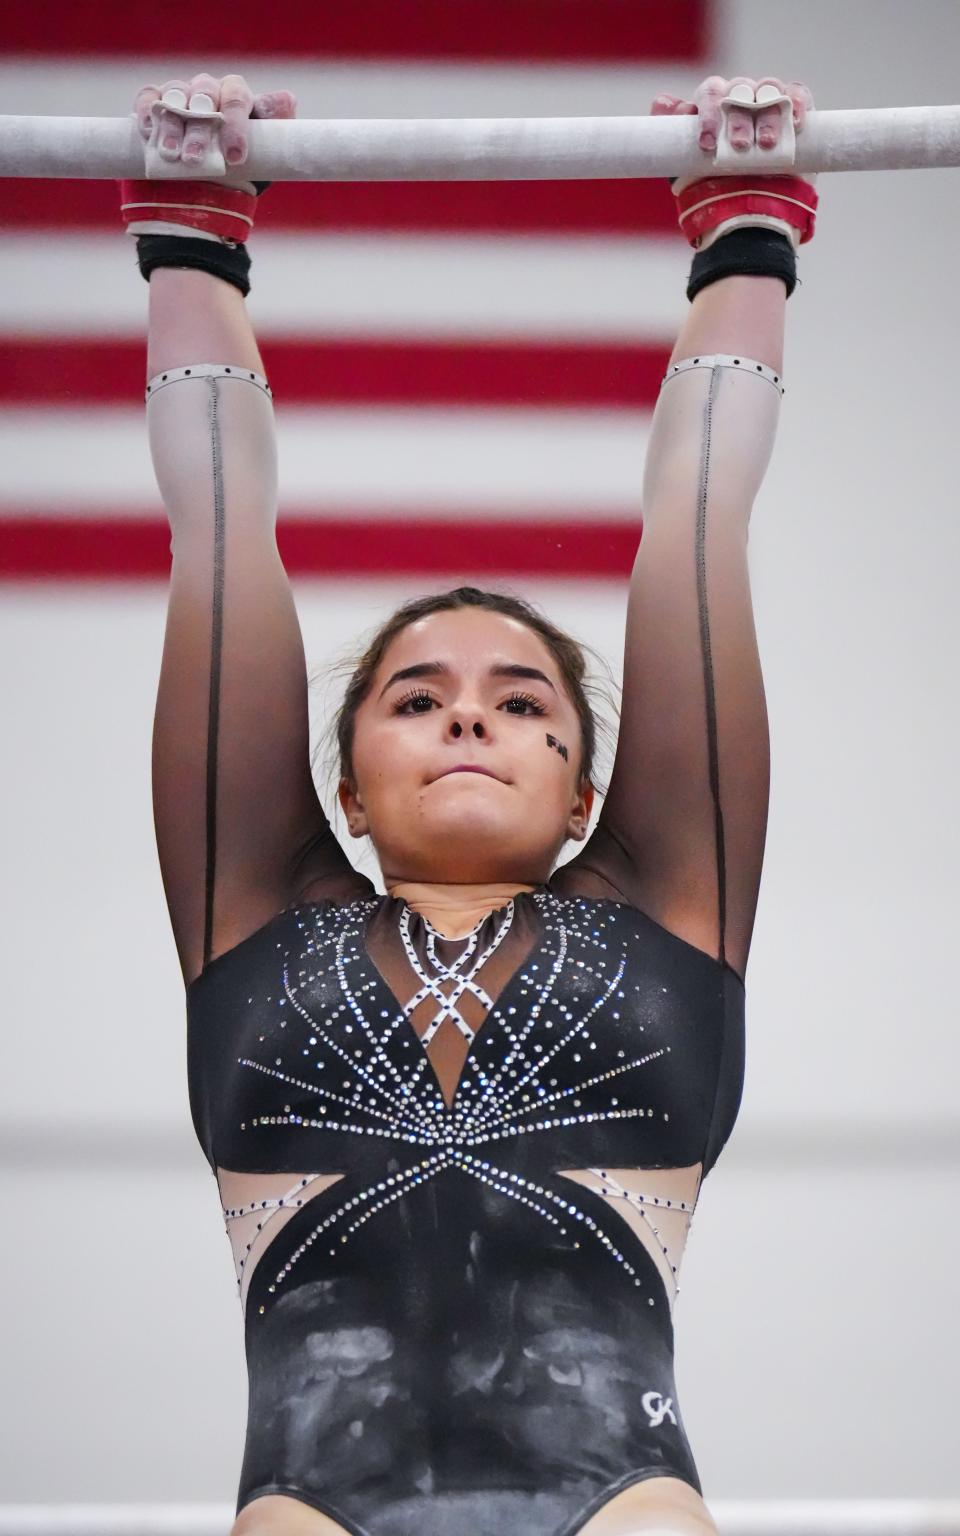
256	1206
656	1203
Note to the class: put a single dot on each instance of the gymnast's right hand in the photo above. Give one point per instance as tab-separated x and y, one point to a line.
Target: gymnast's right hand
188	141
223	209
708	206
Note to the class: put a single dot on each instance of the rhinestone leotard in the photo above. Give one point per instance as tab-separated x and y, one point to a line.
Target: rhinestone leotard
457	1174
467	1329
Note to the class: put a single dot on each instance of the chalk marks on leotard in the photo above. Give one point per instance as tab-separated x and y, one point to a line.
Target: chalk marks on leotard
558	746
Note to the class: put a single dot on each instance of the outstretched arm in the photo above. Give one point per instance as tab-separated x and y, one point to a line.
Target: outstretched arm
240	829
681	832
683	826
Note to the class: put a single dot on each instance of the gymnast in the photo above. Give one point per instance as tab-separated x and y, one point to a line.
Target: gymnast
459	1128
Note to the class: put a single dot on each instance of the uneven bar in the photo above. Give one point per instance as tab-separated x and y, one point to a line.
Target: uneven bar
493	149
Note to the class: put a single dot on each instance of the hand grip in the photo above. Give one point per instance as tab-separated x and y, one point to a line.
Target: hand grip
756	159
212	164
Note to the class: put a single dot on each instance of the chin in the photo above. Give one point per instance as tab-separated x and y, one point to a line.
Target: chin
481	820
472	830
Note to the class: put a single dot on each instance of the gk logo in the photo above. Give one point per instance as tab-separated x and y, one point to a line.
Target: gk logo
658	1408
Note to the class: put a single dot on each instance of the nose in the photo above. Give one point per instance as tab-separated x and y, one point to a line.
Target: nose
456	729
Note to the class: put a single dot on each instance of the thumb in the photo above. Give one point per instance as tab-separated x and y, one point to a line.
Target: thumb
671	105
274	104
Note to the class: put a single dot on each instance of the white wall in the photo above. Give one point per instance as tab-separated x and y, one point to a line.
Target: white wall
817	1341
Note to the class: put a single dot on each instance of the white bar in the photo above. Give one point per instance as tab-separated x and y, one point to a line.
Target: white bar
768	1517
489	148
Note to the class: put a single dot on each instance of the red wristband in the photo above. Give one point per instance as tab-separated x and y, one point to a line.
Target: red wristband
204	205
702	205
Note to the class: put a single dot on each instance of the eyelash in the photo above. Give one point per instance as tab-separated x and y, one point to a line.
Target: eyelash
418	693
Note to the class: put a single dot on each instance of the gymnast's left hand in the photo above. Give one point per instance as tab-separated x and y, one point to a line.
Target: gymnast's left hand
231	95
745	127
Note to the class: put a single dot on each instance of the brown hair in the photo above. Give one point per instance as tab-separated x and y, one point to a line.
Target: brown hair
569	654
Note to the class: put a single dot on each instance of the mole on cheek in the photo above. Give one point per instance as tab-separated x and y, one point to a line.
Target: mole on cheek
558	746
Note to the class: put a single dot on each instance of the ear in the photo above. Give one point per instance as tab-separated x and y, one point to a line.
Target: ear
580	814
352	807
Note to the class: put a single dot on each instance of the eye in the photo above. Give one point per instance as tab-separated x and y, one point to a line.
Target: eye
527	698
421	702
415	697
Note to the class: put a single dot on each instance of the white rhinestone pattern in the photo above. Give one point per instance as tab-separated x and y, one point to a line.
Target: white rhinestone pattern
360	1088
266	1210
648	1207
462	983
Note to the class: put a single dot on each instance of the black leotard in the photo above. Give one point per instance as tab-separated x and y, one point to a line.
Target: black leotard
454	1337
458	1174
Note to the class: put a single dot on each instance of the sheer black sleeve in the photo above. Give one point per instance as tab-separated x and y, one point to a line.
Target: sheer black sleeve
681	832
240	829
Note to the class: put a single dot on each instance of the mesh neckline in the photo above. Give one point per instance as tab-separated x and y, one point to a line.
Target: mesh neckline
462	937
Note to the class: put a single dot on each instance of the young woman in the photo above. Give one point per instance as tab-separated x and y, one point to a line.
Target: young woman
459	1129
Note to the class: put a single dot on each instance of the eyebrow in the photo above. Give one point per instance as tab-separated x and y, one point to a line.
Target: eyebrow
441	669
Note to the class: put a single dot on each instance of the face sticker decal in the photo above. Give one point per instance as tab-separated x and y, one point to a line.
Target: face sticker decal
559	746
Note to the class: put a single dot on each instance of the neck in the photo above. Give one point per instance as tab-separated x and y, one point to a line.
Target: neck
455	909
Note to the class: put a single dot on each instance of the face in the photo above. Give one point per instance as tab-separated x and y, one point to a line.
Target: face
417	736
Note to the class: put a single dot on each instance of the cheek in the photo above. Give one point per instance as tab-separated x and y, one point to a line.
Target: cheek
385	755
548	768
558	744
555	749
368	756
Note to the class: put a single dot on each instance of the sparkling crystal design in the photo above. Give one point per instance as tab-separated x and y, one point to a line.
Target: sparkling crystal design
528	1070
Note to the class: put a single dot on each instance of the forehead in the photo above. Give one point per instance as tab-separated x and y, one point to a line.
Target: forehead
467	638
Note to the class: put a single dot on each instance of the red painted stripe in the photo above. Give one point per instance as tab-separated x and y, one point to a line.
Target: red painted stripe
534	31
131	549
600	207
85	371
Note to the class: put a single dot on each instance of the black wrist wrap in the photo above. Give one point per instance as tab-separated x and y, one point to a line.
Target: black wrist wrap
747	252
231	262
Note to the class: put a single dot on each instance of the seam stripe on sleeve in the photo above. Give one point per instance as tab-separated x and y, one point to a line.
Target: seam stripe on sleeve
706	652
216	646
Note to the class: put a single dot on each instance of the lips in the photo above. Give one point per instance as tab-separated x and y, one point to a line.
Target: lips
468	768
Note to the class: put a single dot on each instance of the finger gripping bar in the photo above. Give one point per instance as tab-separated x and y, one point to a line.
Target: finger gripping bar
782	157
200	110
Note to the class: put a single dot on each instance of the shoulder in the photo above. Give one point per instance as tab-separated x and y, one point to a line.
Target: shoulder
576	880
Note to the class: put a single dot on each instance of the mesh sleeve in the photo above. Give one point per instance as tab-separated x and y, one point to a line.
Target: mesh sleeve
240	829
682	829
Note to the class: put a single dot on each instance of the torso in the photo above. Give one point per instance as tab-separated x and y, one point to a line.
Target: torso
459	1292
